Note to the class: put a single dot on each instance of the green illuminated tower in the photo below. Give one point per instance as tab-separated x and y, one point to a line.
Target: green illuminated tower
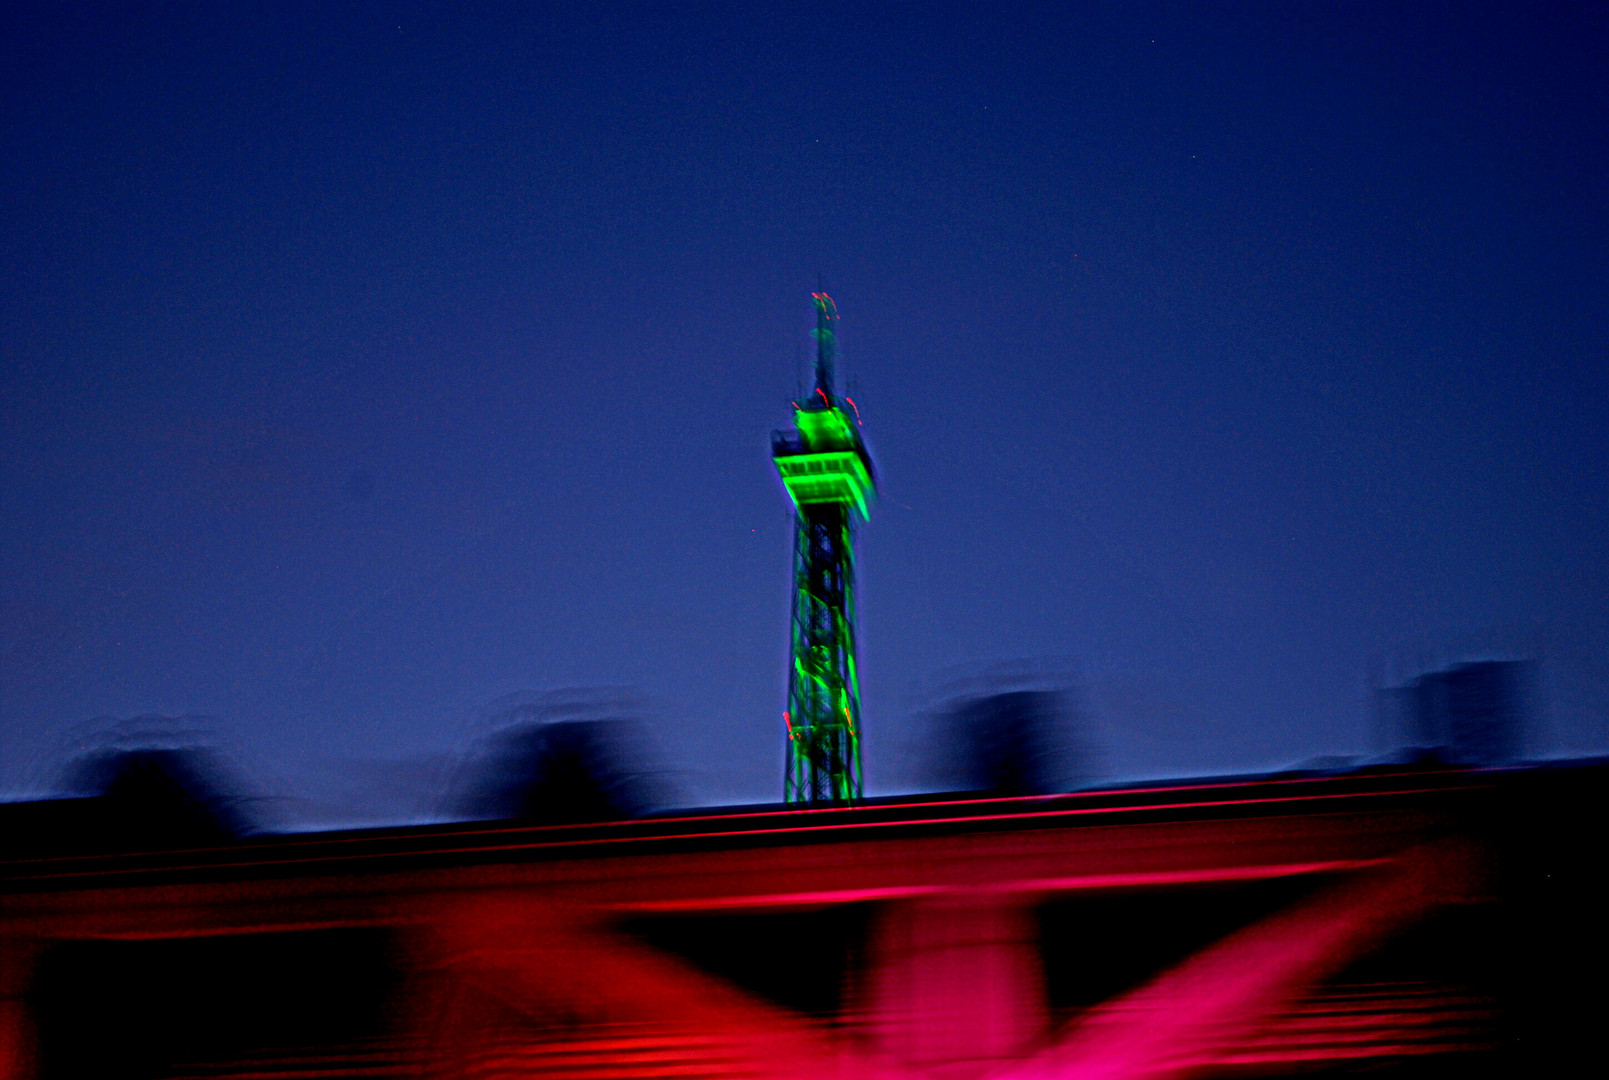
829	476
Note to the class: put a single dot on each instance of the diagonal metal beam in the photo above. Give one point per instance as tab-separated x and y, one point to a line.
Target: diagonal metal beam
1189	1018
549	963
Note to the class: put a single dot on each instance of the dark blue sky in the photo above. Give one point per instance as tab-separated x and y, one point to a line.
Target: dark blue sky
360	366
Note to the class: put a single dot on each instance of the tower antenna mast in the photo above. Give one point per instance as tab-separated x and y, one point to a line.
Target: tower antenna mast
828	472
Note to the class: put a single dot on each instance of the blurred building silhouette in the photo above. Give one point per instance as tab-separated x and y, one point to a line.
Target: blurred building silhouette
1468	714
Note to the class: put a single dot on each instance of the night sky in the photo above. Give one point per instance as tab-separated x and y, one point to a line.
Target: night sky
362	365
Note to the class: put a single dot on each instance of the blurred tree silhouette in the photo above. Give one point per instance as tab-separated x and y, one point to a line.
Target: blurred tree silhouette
562	759
1009	742
159	797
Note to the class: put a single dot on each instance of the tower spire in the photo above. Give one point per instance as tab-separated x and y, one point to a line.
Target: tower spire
828	472
826	344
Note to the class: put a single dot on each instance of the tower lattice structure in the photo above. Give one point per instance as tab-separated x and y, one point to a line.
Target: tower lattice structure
828	472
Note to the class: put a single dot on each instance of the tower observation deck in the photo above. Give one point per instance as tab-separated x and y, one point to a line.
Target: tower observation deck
828	472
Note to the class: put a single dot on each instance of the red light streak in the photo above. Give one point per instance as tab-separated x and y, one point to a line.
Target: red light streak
852	405
449	841
1061	884
850	826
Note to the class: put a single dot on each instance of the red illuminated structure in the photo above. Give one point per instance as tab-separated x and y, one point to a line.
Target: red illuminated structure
1414	921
